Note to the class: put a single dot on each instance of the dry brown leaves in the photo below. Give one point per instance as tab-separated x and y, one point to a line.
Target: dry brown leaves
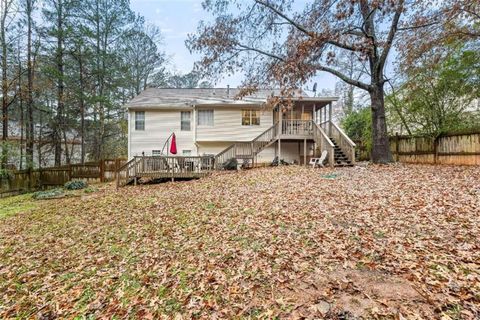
379	242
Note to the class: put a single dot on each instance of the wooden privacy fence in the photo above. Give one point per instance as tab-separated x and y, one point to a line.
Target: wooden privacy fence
29	180
451	148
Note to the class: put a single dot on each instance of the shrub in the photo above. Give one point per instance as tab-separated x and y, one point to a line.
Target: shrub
48	194
230	164
75	185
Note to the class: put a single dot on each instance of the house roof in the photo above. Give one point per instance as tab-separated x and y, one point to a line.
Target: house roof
159	98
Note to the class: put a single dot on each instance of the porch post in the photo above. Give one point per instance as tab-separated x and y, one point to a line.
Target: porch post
330	119
320	116
314	113
280	116
280	122
305	152
279	150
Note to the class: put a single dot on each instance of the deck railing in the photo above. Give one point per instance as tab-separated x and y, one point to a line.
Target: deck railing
164	167
224	156
324	143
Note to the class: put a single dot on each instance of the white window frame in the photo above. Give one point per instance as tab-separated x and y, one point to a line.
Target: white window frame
211	119
156	153
139	121
251	112
185	121
186	153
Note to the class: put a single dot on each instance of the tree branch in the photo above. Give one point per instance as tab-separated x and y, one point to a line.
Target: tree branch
288	19
390	37
268	54
343	77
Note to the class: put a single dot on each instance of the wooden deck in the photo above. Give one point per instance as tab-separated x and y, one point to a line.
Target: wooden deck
164	167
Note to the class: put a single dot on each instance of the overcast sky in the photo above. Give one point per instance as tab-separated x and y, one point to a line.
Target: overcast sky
177	18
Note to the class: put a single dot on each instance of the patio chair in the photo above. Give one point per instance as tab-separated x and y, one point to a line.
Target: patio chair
319	161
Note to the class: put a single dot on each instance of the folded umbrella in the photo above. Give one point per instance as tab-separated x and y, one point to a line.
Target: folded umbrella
173	145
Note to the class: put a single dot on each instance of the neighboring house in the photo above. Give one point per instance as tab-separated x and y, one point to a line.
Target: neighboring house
43	155
211	121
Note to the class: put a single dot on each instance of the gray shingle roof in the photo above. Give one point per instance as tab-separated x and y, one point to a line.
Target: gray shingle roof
185	98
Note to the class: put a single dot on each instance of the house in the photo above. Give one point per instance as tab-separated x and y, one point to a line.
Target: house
212	122
43	154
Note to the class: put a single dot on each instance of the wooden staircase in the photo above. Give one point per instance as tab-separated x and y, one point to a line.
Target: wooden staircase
247	150
338	146
341	159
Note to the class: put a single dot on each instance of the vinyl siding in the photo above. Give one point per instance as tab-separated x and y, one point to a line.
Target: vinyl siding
159	125
227	125
289	150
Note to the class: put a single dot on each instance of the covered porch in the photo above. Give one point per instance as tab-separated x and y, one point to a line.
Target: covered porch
308	123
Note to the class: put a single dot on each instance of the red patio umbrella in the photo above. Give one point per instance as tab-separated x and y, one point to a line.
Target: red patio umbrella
173	145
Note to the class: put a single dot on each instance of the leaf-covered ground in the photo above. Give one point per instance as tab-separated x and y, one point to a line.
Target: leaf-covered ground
384	241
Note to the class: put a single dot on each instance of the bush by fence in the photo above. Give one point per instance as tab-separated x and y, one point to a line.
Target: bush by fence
452	148
30	180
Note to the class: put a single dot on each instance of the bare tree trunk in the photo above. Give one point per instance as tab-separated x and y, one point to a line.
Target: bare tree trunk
22	117
381	148
30	134
3	18
59	125
82	104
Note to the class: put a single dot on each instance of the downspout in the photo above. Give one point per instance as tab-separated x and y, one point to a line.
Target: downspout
194	112
129	135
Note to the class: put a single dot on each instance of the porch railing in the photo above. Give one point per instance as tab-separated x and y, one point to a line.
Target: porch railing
297	127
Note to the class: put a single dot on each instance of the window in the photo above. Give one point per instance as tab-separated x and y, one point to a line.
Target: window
156	153
185	117
205	118
250	117
187	152
140	120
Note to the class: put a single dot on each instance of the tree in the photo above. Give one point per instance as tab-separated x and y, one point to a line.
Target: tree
29	9
273	46
7	10
437	99
189	80
105	22
436	29
141	54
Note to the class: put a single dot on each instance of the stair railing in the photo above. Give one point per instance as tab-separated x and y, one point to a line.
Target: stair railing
324	143
343	141
264	139
127	172
223	156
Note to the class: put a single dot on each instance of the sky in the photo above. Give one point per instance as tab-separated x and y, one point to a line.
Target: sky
176	19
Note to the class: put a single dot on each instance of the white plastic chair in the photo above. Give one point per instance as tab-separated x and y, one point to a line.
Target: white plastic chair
319	161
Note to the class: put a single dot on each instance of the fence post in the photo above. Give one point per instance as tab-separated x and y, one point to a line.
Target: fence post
397	146
117	166
435	149
69	172
101	165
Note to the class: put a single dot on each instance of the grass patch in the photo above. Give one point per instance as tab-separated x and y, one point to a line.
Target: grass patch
13	205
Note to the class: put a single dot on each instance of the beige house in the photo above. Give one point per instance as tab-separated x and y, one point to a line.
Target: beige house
212	126
207	121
